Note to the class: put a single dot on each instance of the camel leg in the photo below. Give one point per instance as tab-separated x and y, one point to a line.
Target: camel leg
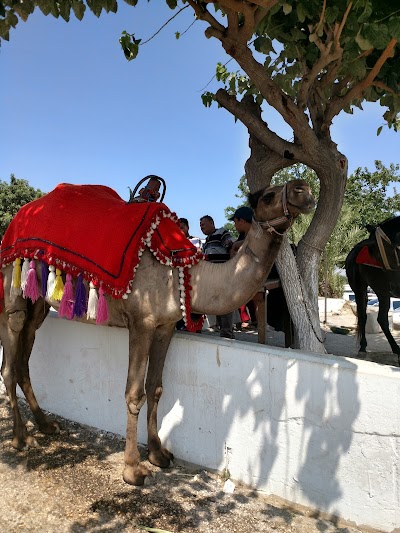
11	325
158	455
36	315
140	340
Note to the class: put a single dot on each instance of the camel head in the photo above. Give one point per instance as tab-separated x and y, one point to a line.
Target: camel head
276	207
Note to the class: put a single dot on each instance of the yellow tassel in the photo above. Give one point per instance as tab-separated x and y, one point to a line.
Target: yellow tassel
58	287
17	274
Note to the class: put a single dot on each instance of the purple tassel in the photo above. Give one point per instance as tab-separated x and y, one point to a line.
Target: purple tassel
67	301
102	309
31	288
80	298
45	275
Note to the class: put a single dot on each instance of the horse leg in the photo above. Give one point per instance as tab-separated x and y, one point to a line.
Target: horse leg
383	321
158	455
11	324
140	340
361	296
36	315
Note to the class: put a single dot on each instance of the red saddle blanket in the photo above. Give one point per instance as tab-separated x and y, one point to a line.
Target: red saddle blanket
365	258
89	229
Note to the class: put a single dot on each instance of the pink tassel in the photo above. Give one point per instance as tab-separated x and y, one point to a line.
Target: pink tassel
102	309
67	301
31	288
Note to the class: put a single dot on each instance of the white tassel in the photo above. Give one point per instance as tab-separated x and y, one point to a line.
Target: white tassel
51	281
24	273
93	302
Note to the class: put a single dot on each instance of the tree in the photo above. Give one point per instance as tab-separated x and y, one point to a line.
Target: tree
14	195
309	61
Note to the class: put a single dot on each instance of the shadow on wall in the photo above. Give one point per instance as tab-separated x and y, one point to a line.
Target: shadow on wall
279	424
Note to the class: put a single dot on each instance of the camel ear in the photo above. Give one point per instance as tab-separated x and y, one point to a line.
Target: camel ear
253	198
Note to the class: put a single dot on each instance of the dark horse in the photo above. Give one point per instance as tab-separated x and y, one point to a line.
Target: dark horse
375	262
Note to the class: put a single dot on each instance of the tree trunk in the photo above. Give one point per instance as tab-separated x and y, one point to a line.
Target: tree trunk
299	277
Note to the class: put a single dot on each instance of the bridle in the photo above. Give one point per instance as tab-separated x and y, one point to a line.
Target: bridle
269	225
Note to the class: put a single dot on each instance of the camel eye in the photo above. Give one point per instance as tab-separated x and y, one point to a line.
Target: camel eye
299	189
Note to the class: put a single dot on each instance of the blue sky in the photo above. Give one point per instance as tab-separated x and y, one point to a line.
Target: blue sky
74	110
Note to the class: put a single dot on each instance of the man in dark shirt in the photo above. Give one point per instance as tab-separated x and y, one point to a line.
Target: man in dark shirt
217	249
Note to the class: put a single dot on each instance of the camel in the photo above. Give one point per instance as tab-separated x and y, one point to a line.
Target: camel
150	312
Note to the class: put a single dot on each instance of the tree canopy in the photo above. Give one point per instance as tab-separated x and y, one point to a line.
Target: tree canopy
14	195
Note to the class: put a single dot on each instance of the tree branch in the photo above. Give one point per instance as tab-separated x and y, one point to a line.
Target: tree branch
357	90
203	14
257	126
338	29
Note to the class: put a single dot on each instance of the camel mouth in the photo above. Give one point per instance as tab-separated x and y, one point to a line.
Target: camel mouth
304	208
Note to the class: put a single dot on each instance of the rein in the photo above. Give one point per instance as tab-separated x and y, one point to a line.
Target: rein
380	237
269	225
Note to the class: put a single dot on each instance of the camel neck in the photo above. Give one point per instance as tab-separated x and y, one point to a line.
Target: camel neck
221	288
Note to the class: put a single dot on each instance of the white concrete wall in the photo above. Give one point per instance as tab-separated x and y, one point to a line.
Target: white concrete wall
321	431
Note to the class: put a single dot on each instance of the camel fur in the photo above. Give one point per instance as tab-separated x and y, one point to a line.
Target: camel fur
150	313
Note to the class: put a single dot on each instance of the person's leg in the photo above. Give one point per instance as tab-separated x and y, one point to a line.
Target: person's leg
226	322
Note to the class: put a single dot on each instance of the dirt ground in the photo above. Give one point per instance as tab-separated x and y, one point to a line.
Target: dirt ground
72	482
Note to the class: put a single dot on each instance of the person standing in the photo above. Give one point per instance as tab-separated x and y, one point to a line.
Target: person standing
242	219
184	225
217	249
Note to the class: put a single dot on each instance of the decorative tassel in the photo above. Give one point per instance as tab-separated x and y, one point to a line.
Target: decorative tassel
67	301
44	276
31	287
51	281
102	310
16	278
80	298
92	303
24	273
58	287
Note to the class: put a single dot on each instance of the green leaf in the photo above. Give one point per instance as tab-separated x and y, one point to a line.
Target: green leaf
78	8
12	18
287	8
24	9
111	6
4	30
394	28
363	43
207	99
378	131
65	10
177	35
172	4
95	7
263	45
301	12
376	34
365	15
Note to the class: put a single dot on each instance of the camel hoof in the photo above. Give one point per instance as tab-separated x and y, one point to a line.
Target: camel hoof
24	443
50	428
161	457
135	475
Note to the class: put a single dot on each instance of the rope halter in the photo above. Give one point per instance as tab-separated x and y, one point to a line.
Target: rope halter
269	225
